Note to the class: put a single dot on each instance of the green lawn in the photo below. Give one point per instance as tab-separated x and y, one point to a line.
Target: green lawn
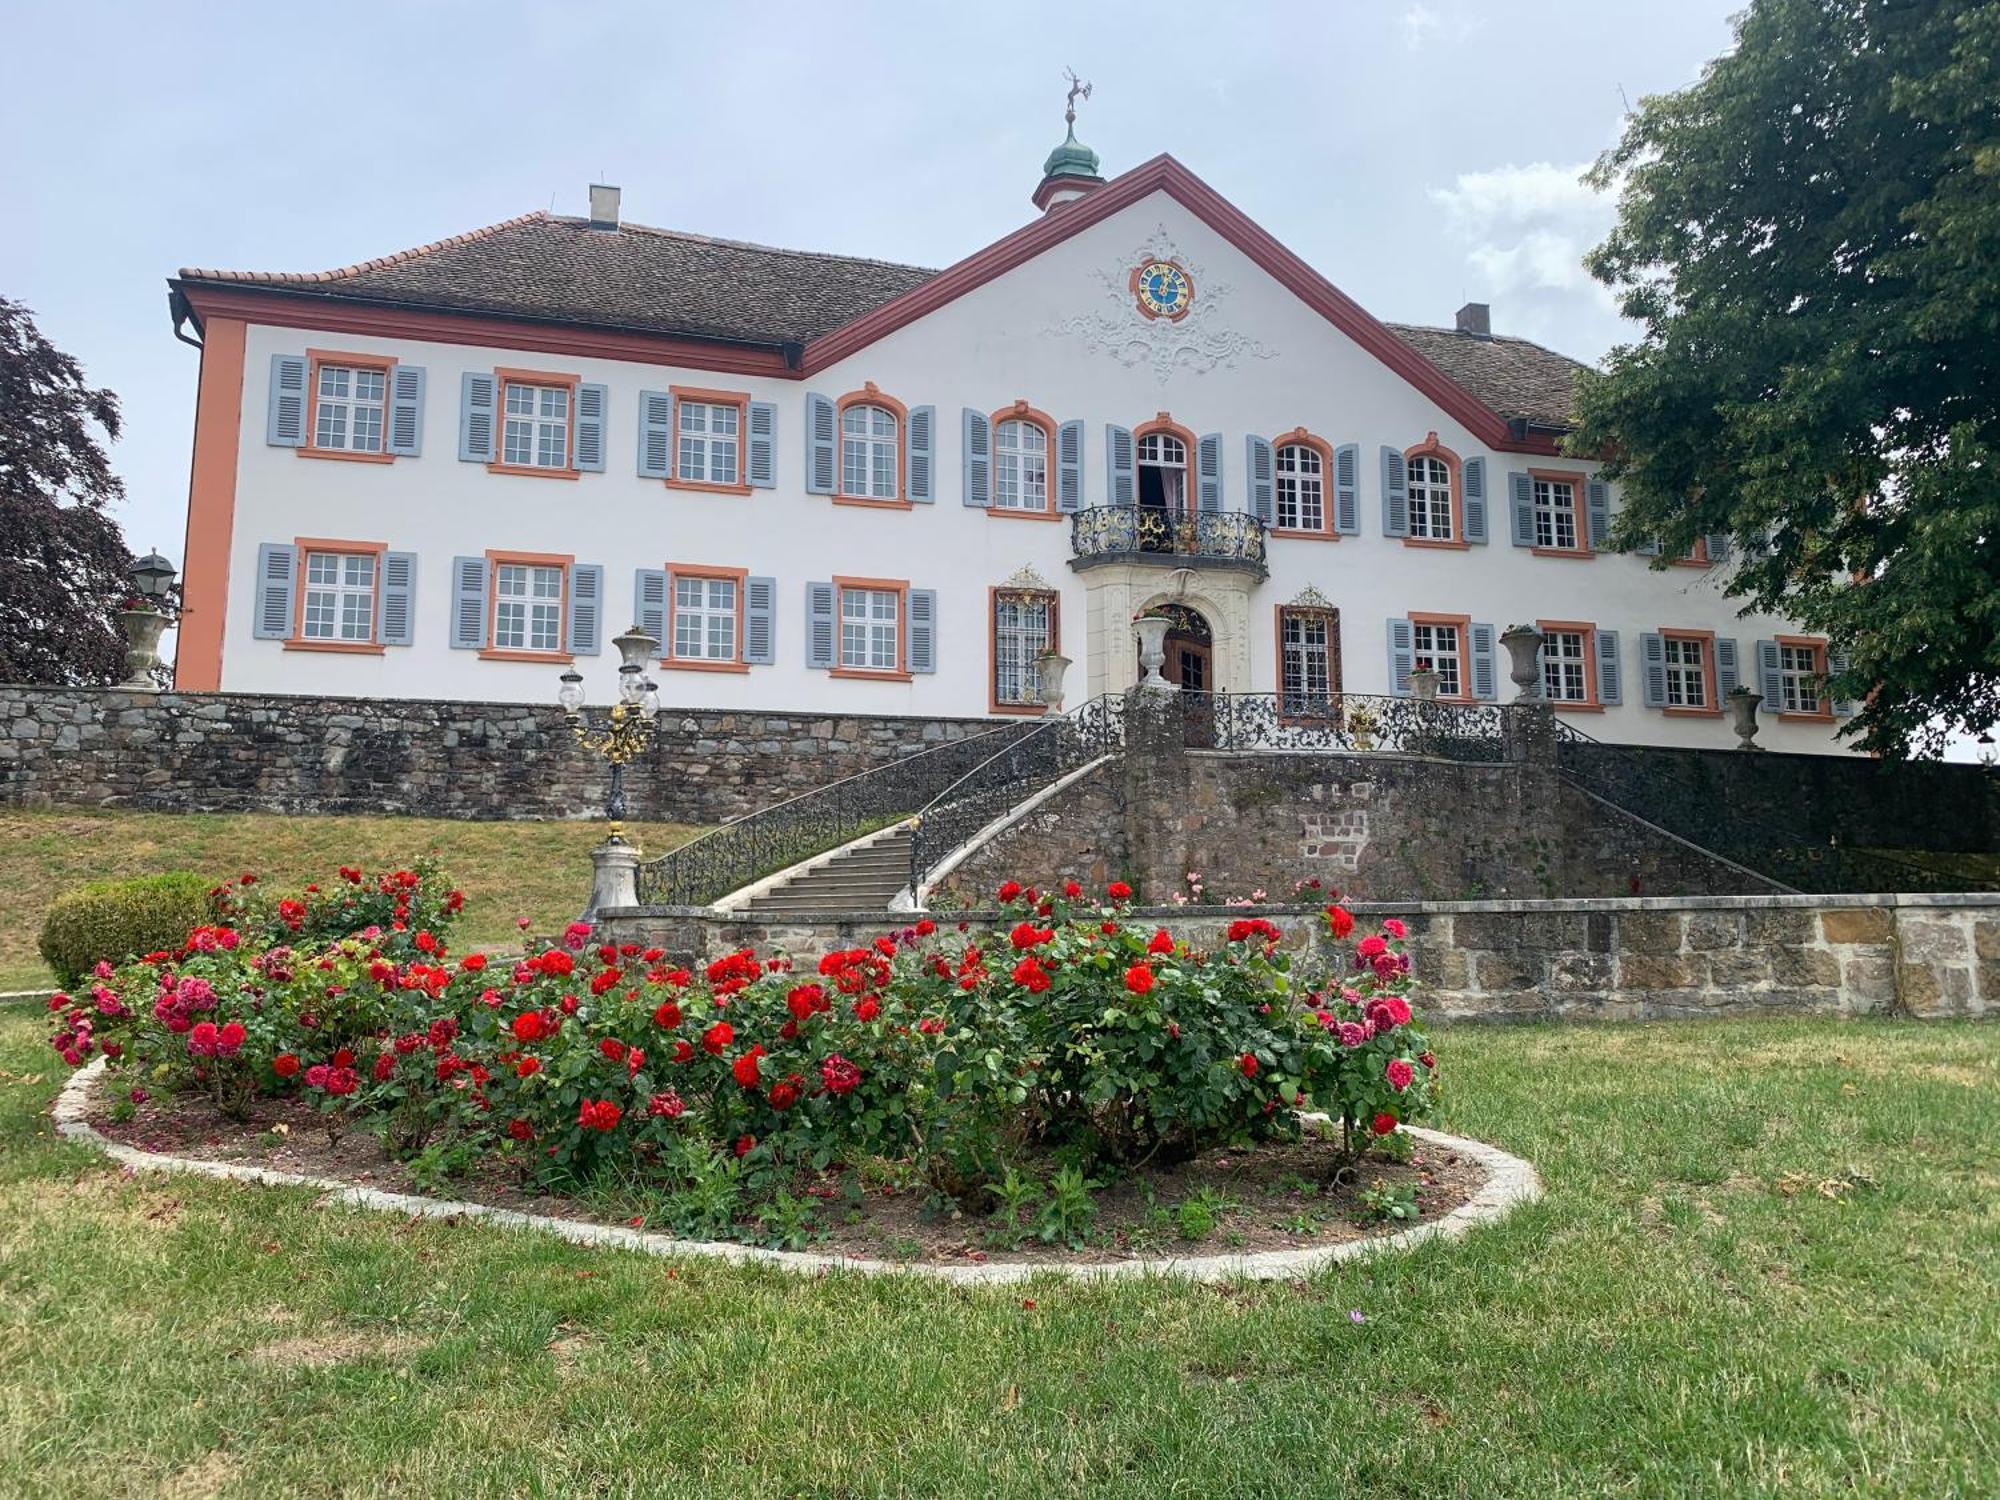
1688	1313
508	870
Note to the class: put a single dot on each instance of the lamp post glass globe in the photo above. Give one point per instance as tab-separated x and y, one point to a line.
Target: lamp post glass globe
571	694
635	648
152	576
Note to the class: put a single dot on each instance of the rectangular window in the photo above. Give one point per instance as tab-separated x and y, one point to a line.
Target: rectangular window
527	607
1023	628
1799	673
1687	671
1301	488
870	629
1308	662
536	435
347	409
1440	648
339	600
1555	514
1429	485
704	618
1020	466
1566	666
710	442
868	457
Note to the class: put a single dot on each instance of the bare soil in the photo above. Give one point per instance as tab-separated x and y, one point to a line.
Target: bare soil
1278	1196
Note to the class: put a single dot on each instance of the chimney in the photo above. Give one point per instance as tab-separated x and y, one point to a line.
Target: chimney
1475	318
603	206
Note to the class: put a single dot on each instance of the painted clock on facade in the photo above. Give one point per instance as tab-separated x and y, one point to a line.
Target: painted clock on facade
1164	289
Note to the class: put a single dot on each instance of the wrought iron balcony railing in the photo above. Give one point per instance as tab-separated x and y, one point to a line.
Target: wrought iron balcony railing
1137	533
1341	723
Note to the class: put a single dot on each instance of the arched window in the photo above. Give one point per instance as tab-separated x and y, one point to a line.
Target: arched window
1430	499
1162	471
868	452
1021	465
1301	488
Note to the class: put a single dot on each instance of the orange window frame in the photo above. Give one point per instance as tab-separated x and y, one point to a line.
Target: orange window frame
1334	667
871	394
502	379
677	571
1579	489
323	545
1817	645
1020	411
993	703
900	587
1298	437
1590	703
1463	624
1454	470
1711	681
738	399
1697	556
386	363
560	561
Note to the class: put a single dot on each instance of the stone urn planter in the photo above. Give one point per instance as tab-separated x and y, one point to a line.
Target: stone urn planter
143	628
1424	684
1152	632
1743	703
1524	664
1049	669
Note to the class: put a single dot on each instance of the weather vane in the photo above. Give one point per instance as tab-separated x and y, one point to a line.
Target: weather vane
1077	88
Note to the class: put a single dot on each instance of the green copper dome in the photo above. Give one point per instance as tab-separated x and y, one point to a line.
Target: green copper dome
1071	159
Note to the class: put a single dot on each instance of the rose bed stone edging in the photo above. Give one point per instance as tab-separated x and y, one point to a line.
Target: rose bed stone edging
1510	1182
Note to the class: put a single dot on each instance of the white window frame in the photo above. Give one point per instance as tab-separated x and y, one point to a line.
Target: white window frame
1020	465
1024	626
340	607
1566	665
1686	663
1427	479
1300	472
1800	688
709	436
1447	659
870	452
870	640
1553	514
710	603
537	435
351	417
525	613
1306	687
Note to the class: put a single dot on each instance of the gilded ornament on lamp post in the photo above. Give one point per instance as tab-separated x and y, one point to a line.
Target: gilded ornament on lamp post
626	732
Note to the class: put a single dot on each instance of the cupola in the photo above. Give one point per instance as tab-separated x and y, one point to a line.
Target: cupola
1072	168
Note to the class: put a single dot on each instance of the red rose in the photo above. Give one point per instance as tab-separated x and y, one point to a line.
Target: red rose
803	1001
1372	946
1139	979
1071	889
528	1026
839	1075
718	1036
1248	1063
925	927
1400	1073
385	1067
1341	920
1029	975
344	1058
285	1064
1163	942
784	1095
745	1068
1383	1123
745	1144
520	1130
600	1114
1009	892
612	1048
668	1016
867	1008
527	1067
1118	890
342	1080
683	1052
667	1106
1428	1059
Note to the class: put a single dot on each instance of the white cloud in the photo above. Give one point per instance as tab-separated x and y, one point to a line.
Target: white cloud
1423	25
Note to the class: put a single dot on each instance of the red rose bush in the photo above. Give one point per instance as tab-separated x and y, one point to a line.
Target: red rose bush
959	1055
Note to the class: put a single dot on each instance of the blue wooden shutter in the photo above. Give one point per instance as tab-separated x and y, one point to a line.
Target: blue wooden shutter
1522	493
1599	503
468	603
478	401
1610	681
1473	477
1069	466
396	625
822	439
923	630
1726	674
590	403
649	605
406	410
586	608
1263	479
285	418
1653	667
1395	493
820	625
277	580
976	459
1770	682
656	435
1347	489
1648	548
760	621
1484	683
918	452
763	446
1836	666
1402	656
1120	465
1208	472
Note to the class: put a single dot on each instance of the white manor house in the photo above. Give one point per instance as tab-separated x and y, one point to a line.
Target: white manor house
835	485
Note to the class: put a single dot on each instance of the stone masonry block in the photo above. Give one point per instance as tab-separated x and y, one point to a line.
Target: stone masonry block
1862	924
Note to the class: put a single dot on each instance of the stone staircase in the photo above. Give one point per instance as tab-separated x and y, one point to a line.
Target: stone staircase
864	878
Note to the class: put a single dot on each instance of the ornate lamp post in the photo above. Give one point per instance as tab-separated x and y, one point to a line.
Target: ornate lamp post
145	616
625	734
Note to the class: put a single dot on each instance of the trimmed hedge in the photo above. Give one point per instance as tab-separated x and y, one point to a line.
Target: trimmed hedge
116	919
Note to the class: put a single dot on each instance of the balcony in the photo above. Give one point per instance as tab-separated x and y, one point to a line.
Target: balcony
1107	534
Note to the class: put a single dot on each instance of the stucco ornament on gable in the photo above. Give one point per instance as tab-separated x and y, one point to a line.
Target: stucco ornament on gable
1199	342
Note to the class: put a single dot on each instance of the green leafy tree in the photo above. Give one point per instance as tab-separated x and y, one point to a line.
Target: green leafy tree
66	561
1810	237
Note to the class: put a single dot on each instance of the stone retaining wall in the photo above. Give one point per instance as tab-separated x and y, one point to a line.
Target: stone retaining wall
1608	960
236	752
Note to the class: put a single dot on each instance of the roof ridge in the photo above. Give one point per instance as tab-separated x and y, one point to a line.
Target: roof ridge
291	278
692	237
